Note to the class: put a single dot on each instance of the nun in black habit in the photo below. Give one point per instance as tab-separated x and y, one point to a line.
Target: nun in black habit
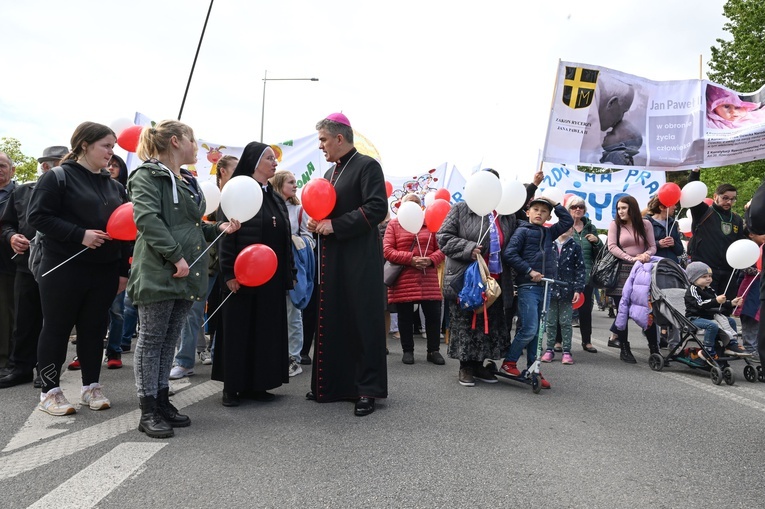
251	354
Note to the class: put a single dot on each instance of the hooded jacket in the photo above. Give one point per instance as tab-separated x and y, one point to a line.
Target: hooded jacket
636	296
571	270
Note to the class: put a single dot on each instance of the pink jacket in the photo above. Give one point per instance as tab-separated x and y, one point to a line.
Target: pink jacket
413	285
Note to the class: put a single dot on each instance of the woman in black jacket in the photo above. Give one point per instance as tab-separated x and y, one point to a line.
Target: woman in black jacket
77	285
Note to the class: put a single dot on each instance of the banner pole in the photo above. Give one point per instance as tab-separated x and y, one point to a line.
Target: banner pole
188	84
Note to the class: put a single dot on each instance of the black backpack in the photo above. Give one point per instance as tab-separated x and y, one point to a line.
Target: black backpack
36	244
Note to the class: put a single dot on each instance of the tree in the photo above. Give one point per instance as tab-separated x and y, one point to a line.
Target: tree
739	64
26	166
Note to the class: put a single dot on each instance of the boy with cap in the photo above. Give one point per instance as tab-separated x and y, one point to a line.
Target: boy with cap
709	311
532	254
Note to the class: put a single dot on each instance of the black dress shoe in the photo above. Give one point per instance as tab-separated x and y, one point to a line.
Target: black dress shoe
12	379
436	358
590	348
364	406
262	396
614	343
309	396
408	358
230	399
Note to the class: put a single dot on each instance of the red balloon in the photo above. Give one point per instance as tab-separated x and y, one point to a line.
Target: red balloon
443	194
255	265
128	139
388	188
436	213
579	302
318	198
669	194
121	225
709	201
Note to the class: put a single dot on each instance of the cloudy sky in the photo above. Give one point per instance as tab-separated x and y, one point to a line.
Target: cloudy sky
425	81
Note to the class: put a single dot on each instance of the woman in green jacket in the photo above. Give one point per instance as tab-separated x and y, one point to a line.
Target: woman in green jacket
165	280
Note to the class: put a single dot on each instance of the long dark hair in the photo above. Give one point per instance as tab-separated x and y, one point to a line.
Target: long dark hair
88	133
633	211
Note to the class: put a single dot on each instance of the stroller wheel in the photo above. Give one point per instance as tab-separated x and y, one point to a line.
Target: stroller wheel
716	375
656	362
750	374
760	375
728	376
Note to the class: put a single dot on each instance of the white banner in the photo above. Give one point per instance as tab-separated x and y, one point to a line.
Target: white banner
424	183
601	191
606	117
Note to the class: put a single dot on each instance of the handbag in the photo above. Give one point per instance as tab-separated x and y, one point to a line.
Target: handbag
491	290
391	271
605	270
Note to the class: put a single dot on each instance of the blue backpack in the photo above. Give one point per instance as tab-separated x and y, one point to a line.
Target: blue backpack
472	296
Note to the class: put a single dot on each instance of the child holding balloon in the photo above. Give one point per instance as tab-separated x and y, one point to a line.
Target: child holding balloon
571	270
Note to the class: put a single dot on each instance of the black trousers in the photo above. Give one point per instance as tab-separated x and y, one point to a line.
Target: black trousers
432	311
310	320
74	295
29	320
6	317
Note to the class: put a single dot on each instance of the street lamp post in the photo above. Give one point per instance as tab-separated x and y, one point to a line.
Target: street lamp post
263	106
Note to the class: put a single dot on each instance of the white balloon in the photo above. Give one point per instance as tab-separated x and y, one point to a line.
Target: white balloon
483	192
120	125
692	194
241	198
513	197
742	254
684	224
410	216
212	195
429	198
553	193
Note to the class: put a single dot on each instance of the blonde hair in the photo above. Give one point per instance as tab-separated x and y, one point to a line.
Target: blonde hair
155	140
278	180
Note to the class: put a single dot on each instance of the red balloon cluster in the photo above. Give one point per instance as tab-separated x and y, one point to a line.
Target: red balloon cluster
669	194
128	139
318	198
436	213
121	225
255	265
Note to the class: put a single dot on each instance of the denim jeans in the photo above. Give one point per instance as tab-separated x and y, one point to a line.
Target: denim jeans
711	329
294	329
116	323
193	338
529	311
559	312
129	323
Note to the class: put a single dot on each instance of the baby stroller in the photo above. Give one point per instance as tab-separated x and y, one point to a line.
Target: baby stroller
668	286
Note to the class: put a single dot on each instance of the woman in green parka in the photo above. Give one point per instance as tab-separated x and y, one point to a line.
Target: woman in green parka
165	280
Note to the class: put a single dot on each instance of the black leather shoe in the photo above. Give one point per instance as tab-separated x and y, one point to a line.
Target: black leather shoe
13	379
614	343
309	396
436	358
590	349
626	356
408	358
230	399
364	406
261	396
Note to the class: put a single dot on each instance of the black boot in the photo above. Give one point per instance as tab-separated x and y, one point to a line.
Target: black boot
653	347
151	421
626	354
168	412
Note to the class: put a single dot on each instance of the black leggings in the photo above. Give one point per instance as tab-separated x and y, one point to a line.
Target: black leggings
650	333
74	295
432	311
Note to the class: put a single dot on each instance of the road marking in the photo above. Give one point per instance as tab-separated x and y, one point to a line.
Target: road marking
28	459
90	485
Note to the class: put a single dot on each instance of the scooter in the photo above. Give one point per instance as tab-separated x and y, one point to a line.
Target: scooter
530	375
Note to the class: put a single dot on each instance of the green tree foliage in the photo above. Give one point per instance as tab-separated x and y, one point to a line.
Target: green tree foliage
26	166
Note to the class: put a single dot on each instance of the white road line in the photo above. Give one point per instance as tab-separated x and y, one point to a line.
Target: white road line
22	461
86	488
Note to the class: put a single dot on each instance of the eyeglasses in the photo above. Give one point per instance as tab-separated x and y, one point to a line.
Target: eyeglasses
726	198
578	207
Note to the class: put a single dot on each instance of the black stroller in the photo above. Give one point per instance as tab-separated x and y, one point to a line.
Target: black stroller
668	286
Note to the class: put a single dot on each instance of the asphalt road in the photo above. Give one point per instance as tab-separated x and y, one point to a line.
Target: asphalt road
608	434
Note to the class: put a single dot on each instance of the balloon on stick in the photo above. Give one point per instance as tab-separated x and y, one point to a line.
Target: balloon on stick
692	194
121	225
255	264
241	198
212	195
318	197
669	194
436	213
444	194
483	192
513	197
128	138
410	217
742	254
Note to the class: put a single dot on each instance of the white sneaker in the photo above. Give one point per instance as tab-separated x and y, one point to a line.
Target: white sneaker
179	372
205	357
295	368
55	403
94	397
